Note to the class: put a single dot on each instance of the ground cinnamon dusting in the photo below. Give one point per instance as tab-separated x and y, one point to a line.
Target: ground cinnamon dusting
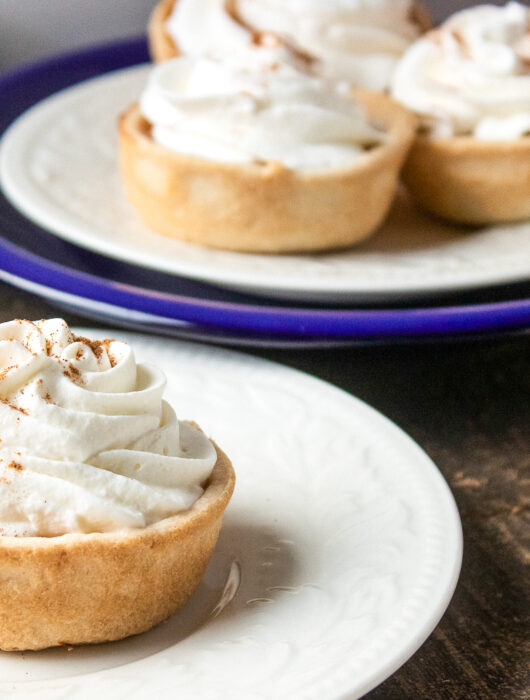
15	408
6	370
97	346
16	466
462	43
73	373
266	39
272	41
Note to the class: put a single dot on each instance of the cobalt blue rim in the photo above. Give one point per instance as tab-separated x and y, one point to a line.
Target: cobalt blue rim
23	87
275	320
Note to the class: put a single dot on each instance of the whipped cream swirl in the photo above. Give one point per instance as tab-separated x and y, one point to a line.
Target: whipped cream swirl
86	442
355	40
472	75
255	110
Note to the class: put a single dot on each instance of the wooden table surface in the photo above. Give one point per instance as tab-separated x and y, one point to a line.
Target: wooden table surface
468	405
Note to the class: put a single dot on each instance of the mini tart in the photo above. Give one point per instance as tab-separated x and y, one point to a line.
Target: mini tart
99	587
264	207
470	181
162	46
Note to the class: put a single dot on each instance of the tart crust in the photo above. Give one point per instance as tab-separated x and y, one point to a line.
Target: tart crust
264	207
161	44
470	181
99	587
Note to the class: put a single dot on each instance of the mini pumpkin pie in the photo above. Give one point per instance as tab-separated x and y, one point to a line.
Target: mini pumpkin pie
255	153
109	506
469	82
357	41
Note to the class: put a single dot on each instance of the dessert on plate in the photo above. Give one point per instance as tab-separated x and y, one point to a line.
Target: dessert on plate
352	40
110	506
469	83
254	152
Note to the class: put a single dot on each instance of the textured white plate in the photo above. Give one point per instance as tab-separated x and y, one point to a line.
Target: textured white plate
346	538
59	167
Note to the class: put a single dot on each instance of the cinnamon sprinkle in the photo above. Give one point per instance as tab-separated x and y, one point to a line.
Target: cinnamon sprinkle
462	42
269	40
6	371
16	466
97	347
74	374
266	38
15	408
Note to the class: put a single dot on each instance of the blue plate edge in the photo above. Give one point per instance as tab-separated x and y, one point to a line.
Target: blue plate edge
281	320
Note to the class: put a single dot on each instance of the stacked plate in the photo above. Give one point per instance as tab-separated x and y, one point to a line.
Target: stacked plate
69	235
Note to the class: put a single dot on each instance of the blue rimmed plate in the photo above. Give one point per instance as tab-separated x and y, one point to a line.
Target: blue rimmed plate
96	285
59	167
101	286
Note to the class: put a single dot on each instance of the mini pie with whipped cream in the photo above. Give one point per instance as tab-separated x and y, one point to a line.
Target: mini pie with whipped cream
469	83
351	40
256	153
110	506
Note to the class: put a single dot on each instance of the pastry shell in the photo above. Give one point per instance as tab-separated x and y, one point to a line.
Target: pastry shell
98	587
161	44
264	207
470	181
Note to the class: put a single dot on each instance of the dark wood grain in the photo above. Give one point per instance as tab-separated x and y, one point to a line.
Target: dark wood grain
468	405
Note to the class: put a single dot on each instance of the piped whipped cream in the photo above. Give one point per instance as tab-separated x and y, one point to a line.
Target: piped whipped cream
472	75
355	40
255	109
86	442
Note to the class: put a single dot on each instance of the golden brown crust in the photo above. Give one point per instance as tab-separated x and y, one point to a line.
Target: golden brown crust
470	181
420	15
264	207
85	589
161	44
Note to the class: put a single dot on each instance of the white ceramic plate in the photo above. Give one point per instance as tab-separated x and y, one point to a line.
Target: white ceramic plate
59	167
341	549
